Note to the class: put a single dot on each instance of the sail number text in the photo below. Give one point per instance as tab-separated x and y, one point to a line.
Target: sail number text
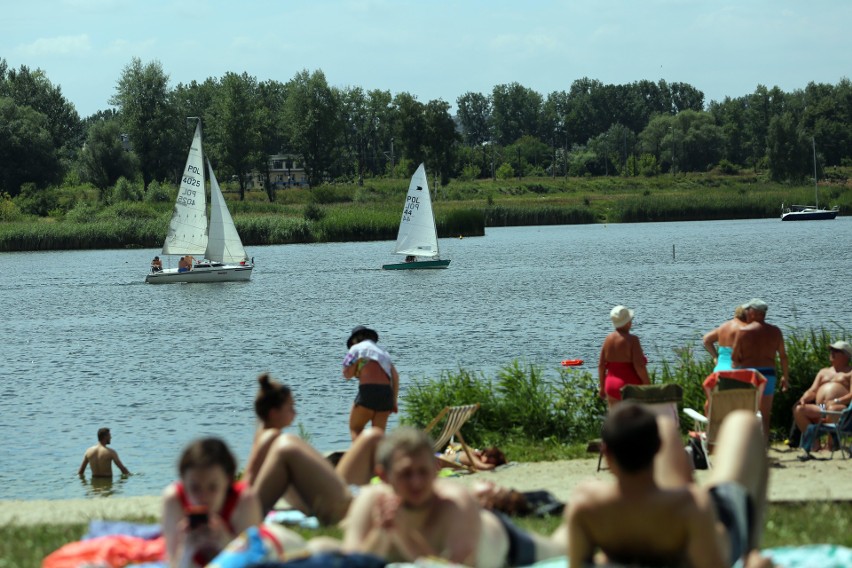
411	204
187	196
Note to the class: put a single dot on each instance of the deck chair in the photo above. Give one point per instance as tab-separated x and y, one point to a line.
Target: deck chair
455	416
727	391
661	400
840	431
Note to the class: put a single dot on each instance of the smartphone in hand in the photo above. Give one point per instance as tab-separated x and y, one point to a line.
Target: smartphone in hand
198	516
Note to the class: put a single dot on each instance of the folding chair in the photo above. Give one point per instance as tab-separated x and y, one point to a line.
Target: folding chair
661	400
738	389
840	431
456	416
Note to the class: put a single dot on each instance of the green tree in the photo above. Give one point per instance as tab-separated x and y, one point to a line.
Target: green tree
313	116
104	158
474	115
233	126
27	151
788	149
697	140
410	127
149	118
33	89
441	138
272	96
516	111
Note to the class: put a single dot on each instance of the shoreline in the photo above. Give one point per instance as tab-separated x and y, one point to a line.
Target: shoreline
790	481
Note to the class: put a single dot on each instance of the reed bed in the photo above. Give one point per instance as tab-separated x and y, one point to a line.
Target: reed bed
353	212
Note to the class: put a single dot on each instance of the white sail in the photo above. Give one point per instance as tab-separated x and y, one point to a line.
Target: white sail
188	227
417	235
223	243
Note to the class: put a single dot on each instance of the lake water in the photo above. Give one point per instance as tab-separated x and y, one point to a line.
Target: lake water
86	344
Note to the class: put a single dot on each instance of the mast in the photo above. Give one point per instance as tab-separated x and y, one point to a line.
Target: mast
816	187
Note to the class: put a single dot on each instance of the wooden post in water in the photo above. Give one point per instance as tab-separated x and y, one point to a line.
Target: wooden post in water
673	252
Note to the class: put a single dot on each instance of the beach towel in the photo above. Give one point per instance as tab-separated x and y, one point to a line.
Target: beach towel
105	528
115	550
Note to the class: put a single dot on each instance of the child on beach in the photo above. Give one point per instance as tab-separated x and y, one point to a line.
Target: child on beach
206	508
285	465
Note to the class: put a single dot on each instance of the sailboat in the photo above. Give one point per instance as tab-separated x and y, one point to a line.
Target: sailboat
417	239
224	258
809	212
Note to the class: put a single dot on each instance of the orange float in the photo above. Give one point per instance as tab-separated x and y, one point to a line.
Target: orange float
572	362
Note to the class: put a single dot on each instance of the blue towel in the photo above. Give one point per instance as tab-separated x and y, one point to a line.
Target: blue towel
107	528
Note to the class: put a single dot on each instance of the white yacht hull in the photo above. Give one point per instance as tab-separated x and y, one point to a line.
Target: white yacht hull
202	274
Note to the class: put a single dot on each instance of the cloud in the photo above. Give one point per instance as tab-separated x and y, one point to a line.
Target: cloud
61	45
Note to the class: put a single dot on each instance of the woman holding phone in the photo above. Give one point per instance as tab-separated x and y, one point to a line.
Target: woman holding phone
206	508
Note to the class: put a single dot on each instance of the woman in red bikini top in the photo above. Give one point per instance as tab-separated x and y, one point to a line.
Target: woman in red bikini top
622	361
207	470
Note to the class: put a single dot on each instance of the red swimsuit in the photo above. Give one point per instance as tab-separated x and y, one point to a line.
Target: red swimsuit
618	374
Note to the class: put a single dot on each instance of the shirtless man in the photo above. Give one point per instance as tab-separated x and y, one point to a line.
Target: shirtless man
654	514
415	515
101	458
831	388
755	346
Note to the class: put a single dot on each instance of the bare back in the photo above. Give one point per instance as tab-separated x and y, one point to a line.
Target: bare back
756	345
672	527
728	332
100	459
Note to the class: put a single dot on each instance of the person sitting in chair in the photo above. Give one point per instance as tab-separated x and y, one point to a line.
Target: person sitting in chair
830	389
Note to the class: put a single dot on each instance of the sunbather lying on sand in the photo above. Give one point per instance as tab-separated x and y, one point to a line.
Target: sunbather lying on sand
285	465
414	515
653	514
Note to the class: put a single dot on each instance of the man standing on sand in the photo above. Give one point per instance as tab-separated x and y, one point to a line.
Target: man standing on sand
755	347
101	458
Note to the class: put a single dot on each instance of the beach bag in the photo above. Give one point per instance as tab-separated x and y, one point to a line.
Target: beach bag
699	459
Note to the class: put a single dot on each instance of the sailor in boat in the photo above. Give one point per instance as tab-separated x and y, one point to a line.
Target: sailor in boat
185	263
411	258
156	264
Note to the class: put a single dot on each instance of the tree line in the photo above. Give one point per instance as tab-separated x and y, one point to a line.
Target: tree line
641	128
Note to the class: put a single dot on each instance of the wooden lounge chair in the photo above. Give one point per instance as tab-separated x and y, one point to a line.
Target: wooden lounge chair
738	389
455	416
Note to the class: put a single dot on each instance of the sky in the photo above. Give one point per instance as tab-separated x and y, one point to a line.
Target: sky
433	49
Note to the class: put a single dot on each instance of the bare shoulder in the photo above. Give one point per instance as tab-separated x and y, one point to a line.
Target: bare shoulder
170	492
591	493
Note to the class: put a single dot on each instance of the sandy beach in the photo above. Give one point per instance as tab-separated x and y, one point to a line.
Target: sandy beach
790	480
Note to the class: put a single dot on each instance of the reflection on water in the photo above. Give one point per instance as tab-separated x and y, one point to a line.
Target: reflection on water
162	365
103	486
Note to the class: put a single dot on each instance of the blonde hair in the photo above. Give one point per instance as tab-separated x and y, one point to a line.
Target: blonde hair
740	313
404	439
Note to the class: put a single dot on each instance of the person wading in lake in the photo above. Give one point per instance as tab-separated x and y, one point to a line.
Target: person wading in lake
100	457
